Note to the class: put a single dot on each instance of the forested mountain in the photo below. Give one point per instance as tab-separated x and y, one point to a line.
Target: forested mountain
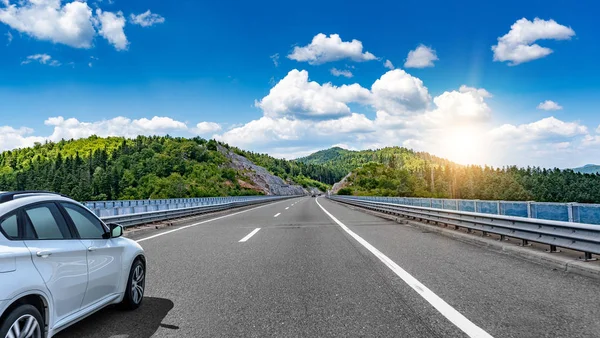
145	167
588	169
399	171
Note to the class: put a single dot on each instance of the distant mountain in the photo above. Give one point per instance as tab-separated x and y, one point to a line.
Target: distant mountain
398	171
588	169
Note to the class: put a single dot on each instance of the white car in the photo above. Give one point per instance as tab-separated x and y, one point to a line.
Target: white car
59	263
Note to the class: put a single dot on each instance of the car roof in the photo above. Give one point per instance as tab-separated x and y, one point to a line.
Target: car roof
27	199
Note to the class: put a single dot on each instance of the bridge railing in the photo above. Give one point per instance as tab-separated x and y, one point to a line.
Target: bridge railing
128	207
579	237
218	204
565	212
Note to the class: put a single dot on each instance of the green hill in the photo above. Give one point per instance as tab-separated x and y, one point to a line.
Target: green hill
397	171
588	169
98	168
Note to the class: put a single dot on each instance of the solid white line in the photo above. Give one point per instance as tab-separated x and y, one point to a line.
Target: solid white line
439	304
249	235
208	220
277	215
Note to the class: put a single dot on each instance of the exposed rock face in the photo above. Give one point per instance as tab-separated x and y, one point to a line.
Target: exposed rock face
262	180
339	185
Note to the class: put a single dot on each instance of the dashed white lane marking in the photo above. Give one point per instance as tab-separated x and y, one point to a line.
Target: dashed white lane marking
208	220
249	235
287	208
277	215
438	303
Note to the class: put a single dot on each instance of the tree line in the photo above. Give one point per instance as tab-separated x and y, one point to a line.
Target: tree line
110	168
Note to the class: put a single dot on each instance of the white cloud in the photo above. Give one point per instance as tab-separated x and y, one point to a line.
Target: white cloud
9	38
598	129
401	103
518	46
119	126
324	49
398	92
44	59
110	26
388	64
421	57
549	128
146	19
344	72
549	105
275	59
11	138
204	128
50	20
295	97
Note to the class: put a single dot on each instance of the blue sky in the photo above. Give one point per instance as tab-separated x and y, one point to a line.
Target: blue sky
121	70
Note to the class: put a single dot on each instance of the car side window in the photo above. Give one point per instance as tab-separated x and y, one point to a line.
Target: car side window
47	222
10	226
88	226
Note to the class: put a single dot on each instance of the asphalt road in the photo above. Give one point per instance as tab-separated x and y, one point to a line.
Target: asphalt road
305	275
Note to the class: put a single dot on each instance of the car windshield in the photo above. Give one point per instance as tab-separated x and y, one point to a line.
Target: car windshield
301	169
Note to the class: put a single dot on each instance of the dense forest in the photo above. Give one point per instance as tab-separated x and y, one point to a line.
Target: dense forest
399	171
145	167
166	167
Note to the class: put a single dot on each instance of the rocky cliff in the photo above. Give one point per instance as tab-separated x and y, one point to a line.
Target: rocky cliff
259	178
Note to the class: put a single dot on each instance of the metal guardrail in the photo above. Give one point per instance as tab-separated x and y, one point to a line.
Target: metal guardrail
130	220
566	212
575	236
126	207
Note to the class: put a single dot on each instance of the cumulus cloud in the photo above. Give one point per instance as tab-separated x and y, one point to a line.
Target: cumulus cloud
324	49
297	97
388	64
518	46
44	59
146	19
111	27
50	20
398	92
549	105
344	72
204	128
545	129
72	128
405	112
421	57
11	138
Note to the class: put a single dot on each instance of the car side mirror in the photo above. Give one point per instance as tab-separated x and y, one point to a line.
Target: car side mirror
116	230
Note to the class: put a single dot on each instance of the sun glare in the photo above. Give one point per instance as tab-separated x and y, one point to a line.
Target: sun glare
463	145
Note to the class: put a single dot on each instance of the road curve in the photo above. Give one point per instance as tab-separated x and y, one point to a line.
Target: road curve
295	272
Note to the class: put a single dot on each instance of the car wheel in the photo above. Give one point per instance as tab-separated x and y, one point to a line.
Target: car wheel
24	321
136	285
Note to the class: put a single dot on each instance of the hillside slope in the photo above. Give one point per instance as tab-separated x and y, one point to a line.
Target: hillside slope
145	167
397	171
588	169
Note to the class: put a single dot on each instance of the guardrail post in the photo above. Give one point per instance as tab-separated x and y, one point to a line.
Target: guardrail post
498	207
529	212
553	249
570	211
587	257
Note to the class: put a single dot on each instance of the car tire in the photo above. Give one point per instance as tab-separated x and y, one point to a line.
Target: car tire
26	317
136	286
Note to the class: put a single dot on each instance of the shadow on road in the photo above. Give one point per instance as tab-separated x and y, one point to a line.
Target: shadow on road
114	322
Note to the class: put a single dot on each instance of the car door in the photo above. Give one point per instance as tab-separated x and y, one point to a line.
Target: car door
104	255
59	257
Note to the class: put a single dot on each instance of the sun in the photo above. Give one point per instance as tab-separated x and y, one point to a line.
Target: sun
464	145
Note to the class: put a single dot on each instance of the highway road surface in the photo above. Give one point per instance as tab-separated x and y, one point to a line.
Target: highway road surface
310	267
